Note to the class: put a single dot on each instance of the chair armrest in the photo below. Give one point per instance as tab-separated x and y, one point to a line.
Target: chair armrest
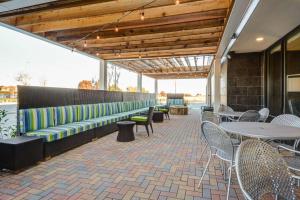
287	148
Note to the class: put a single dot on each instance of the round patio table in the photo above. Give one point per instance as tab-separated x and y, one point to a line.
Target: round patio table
230	114
261	130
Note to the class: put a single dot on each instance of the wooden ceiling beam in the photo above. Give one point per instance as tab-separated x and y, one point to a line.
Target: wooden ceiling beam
73	35
205	69
163	11
91	8
143	51
154	44
145	41
171	75
49	7
160	54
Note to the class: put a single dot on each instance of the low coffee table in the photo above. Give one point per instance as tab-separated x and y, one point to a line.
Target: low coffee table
158	116
20	152
126	133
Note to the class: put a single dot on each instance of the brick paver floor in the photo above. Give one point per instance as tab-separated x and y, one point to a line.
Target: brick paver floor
166	165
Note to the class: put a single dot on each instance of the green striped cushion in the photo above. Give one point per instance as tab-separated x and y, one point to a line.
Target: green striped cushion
103	110
38	118
66	114
53	133
95	110
82	112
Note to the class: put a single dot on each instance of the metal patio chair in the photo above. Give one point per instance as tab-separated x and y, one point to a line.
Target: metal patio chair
262	171
220	145
290	154
224	108
249	116
264	114
294	106
210	116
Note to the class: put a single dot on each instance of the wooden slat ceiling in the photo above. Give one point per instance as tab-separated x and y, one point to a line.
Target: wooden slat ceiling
194	27
169	68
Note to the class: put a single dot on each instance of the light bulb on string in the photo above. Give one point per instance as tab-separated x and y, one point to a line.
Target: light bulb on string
98	37
116	29
85	44
142	15
97	54
177	2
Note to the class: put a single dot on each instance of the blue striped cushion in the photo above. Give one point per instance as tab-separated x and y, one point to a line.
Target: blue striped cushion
82	112
86	125
66	114
95	110
175	102
37	118
53	133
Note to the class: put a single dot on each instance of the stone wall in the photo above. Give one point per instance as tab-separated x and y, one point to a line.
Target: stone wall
245	82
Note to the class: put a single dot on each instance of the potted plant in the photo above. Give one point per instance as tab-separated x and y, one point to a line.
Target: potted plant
6	131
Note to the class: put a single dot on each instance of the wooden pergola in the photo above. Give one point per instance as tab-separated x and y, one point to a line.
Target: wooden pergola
147	36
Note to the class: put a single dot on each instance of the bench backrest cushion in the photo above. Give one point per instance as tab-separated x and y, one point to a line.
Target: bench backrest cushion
85	112
175	102
66	114
36	118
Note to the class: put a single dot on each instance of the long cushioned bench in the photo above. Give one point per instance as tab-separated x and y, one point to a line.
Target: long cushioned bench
66	127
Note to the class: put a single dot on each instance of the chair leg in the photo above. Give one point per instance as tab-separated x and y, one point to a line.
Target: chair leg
205	169
136	127
229	181
147	130
168	116
151	127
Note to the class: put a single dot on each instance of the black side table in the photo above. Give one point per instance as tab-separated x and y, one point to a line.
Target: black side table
126	133
158	116
20	152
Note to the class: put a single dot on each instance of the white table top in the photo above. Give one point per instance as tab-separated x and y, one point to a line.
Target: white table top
261	130
230	114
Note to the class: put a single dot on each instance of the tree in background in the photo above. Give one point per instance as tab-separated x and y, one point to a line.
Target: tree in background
134	89
113	76
114	87
23	78
85	84
43	82
163	94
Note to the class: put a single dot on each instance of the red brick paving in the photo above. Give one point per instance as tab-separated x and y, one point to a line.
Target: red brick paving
165	165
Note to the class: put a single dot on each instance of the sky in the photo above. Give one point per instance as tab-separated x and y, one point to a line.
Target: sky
60	67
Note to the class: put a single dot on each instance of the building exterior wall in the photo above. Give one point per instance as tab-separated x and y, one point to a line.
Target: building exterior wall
244	82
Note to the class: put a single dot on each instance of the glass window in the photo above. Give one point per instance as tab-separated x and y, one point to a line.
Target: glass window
120	79
148	84
25	60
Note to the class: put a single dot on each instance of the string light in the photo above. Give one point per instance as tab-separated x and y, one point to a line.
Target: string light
142	15
119	55
97	54
125	14
177	2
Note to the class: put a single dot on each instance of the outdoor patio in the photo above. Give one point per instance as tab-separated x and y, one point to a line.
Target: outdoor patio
166	165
